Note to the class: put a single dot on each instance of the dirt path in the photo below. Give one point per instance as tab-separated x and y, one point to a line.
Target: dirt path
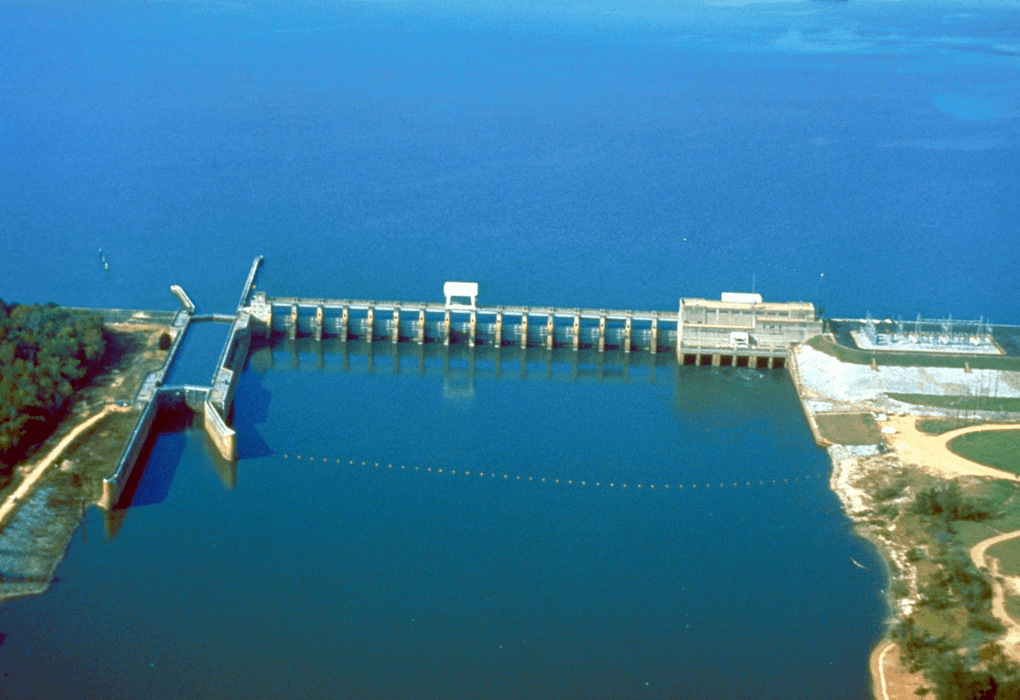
1011	641
889	679
10	505
883	687
932	451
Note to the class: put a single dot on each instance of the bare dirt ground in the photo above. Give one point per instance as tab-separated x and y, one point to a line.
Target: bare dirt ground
931	452
888	677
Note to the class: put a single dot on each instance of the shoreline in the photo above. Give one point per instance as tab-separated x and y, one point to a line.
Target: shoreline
884	476
42	507
888	678
846	465
35	472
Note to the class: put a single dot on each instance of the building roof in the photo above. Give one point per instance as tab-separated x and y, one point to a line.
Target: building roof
764	307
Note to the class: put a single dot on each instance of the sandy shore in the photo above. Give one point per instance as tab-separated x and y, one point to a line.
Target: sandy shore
889	679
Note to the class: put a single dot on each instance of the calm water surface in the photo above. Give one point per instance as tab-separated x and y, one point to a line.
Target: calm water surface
318	577
862	155
579	154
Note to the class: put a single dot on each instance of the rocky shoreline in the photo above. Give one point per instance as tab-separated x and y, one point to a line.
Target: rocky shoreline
854	468
34	542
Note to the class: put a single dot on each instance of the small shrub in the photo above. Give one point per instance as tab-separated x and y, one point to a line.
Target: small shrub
888	511
165	341
943	500
890	491
916	554
985	622
936	596
946	501
917	647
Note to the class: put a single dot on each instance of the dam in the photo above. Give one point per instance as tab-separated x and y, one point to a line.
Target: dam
739	330
745	332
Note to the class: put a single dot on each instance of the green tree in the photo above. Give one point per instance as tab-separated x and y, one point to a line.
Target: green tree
46	354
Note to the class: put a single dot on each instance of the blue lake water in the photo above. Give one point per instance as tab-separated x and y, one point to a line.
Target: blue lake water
199	351
492	559
861	155
564	153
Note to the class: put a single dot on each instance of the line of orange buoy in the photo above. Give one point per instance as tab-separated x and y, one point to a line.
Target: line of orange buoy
569	482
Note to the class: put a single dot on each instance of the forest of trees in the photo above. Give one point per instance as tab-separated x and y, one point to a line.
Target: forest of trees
983	674
46	354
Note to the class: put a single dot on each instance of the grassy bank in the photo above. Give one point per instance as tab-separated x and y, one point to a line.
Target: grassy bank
848	428
961	403
993	448
1008	554
939	426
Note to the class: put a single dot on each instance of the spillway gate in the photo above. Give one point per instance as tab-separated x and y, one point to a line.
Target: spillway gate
745	334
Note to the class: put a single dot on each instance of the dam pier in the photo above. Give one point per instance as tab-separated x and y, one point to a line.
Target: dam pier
739	330
739	333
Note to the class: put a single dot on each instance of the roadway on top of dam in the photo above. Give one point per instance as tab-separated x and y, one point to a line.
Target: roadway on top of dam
440	307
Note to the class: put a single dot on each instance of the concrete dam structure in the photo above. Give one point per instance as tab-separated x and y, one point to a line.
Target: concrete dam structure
740	330
745	332
213	402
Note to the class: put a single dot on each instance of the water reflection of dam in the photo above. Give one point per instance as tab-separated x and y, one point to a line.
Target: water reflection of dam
358	357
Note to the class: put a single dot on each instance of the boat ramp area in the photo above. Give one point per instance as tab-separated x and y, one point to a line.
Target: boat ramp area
738	330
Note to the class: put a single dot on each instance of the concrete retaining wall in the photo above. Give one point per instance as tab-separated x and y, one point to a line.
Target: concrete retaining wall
113	485
195	398
224	437
232	359
153	380
808	414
